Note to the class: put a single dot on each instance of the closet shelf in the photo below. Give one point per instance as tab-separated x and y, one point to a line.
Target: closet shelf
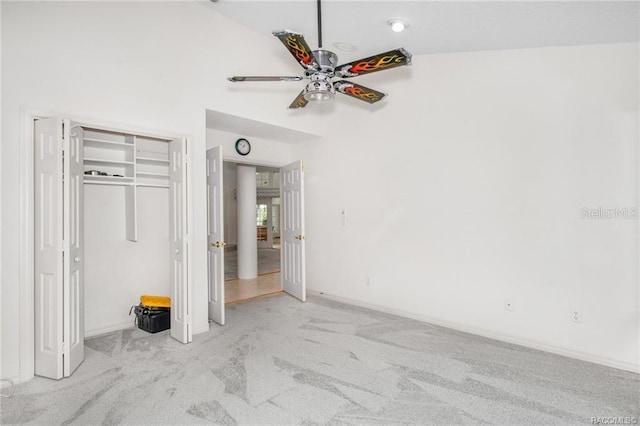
99	161
121	183
109	179
105	143
151	160
153	185
149	174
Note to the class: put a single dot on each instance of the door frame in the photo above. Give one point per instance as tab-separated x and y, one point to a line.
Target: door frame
26	249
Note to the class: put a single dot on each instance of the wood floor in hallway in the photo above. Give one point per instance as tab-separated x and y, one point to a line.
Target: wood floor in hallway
240	290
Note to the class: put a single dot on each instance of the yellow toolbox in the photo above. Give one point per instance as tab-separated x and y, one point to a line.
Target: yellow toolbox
153	314
149	301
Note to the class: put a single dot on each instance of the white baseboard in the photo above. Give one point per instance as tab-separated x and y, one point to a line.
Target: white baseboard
109	329
7	384
202	328
129	324
583	356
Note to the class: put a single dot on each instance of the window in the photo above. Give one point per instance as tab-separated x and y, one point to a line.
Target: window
262	179
261	214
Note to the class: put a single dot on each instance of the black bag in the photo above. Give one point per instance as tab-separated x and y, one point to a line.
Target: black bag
151	320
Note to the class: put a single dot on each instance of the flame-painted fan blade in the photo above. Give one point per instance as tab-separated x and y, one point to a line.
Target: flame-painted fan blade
299	102
237	78
382	61
298	47
359	92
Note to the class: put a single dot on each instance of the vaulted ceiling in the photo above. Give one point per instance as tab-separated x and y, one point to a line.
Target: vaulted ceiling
434	27
442	26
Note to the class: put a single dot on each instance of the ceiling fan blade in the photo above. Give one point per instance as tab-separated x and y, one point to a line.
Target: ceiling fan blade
298	47
299	101
379	62
359	92
237	78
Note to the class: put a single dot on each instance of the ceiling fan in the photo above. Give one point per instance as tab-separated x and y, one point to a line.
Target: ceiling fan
320	67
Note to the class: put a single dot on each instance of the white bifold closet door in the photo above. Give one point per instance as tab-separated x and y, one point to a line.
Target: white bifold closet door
215	238
181	328
292	230
58	248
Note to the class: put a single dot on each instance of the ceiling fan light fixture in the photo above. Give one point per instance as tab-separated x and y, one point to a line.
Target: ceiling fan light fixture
398	25
319	89
318	93
318	97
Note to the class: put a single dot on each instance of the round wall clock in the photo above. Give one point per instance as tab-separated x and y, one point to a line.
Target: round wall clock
243	147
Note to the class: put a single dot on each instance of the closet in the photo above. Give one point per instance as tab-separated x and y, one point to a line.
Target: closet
110	221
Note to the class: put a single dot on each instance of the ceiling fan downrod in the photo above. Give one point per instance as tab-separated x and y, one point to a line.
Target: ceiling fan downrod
319	25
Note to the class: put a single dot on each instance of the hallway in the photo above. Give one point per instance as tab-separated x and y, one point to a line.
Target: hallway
242	290
267	282
268	262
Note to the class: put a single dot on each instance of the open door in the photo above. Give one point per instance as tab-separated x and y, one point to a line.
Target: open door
215	233
292	233
59	249
48	258
181	328
73	289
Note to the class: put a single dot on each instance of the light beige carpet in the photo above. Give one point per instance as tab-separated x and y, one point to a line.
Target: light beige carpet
282	362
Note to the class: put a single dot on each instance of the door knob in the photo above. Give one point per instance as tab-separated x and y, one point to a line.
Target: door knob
299	237
218	244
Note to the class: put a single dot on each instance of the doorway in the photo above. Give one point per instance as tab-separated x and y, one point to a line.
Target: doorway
267	222
243	207
267	219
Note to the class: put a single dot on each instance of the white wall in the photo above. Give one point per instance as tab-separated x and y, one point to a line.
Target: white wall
466	188
143	65
265	152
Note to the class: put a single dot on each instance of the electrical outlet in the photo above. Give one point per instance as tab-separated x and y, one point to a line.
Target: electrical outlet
575	315
508	306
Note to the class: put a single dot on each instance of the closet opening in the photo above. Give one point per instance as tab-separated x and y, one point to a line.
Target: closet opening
110	224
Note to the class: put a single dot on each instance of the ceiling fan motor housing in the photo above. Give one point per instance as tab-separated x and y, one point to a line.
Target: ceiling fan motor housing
327	61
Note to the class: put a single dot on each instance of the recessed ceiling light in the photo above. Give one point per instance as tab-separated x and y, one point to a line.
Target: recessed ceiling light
398	25
344	46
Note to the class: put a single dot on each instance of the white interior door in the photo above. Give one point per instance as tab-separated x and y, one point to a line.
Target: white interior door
73	276
48	259
215	232
292	235
181	328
